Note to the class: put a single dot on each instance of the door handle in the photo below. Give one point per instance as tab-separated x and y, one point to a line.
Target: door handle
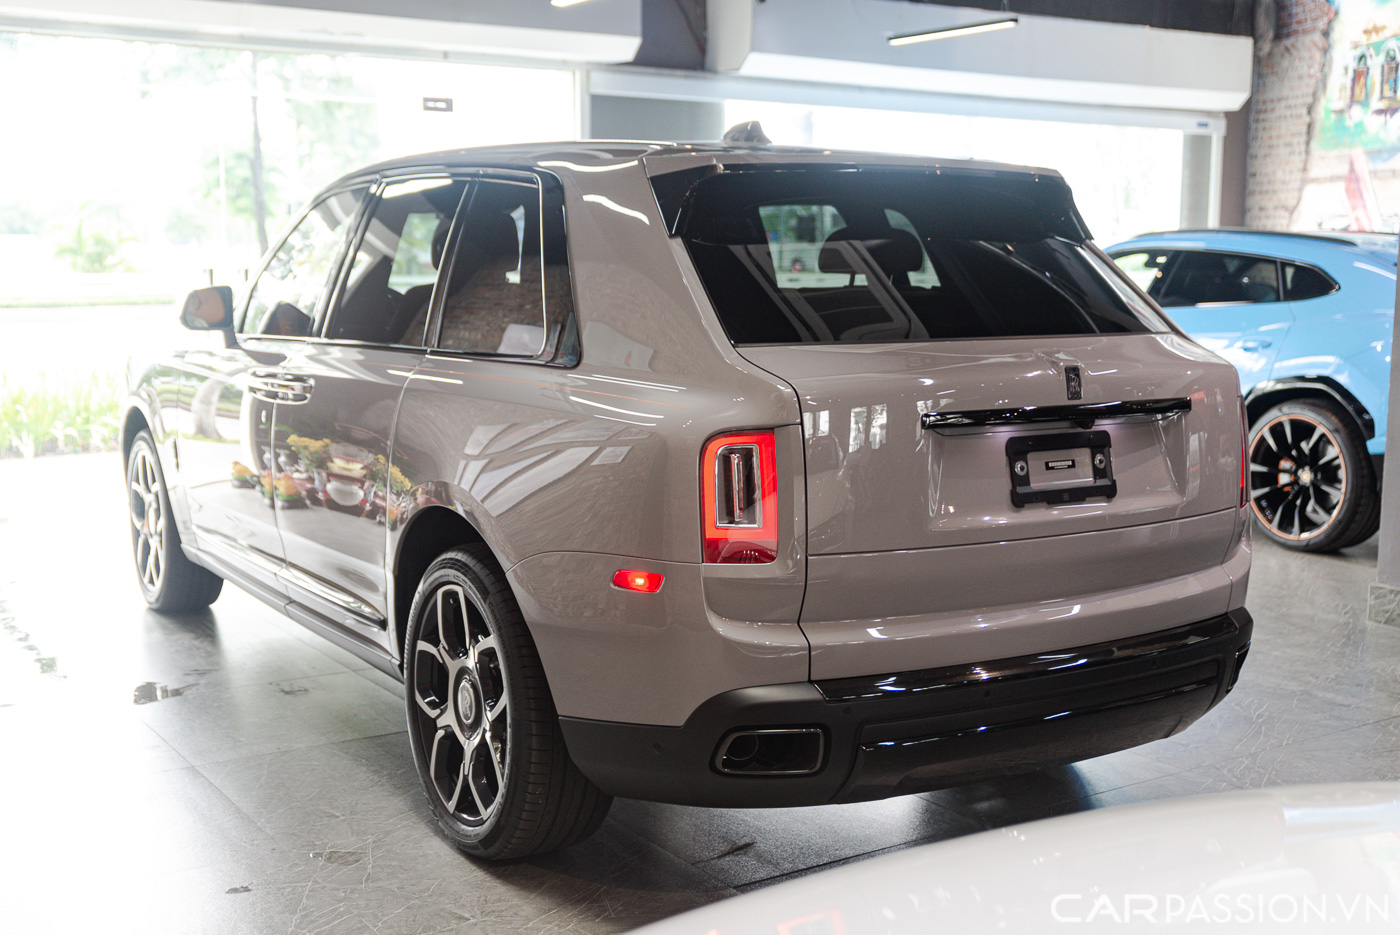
277	387
1254	344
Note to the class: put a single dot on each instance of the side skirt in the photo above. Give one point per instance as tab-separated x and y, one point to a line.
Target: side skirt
321	625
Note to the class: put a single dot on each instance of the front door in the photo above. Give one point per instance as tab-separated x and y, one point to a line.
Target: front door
333	434
228	463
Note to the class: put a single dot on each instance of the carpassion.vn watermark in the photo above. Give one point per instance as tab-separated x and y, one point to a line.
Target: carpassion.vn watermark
1223	908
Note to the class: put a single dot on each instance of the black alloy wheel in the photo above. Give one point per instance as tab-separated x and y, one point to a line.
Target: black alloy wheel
1312	486
481	721
460	694
170	582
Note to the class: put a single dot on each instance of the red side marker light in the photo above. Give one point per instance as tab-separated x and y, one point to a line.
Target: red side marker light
647	582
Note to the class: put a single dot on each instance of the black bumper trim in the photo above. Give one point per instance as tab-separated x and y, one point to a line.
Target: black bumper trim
1026	715
1082	659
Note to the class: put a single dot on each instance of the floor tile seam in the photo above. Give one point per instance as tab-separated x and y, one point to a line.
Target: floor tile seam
304	746
694	865
1290	743
850	859
1129	786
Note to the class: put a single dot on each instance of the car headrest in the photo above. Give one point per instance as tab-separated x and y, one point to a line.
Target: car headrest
494	240
440	240
898	251
489	242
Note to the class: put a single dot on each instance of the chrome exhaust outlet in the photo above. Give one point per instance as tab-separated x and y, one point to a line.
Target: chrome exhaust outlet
775	751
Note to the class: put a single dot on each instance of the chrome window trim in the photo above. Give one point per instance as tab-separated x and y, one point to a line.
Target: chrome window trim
333	276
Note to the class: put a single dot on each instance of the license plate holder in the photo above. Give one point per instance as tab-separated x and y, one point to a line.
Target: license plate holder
1051	468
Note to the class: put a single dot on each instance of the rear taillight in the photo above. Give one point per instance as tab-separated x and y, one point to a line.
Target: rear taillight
1244	459
739	498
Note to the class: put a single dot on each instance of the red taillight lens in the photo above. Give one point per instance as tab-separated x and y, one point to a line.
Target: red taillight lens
739	498
1244	456
647	582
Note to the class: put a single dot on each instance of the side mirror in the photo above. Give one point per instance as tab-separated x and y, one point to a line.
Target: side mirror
208	309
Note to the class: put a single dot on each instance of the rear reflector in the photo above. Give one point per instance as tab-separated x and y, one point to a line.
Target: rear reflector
647	582
739	499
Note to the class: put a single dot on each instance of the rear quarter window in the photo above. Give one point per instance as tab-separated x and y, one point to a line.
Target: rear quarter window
1304	282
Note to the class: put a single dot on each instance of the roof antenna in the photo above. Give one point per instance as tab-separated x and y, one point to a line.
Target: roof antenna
747	132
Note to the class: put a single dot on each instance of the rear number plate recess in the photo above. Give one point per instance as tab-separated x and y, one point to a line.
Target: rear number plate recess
1064	468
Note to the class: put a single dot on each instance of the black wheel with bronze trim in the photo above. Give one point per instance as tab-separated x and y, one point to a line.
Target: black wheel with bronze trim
1312	485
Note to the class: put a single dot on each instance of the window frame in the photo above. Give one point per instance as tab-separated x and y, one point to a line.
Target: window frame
1280	263
560	305
1174	261
329	293
356	238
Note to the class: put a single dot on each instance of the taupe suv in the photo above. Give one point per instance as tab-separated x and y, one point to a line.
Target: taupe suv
725	475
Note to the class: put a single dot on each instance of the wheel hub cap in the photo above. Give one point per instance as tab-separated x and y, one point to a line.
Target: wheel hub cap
466	700
1305	476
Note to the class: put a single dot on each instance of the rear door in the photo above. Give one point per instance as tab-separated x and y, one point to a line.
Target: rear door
1231	303
336	485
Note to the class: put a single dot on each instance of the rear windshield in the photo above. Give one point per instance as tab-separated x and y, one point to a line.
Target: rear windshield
851	256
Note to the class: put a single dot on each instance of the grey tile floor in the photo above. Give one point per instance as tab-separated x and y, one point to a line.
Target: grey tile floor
232	772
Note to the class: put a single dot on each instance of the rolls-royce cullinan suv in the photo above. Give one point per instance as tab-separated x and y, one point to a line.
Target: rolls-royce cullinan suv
719	474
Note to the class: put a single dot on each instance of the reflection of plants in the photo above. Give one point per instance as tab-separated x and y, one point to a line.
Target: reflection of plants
311	451
43	420
397	482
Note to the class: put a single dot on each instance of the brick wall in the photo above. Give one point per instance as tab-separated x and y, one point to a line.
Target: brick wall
1287	81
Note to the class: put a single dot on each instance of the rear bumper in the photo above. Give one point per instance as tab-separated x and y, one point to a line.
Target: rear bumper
931	729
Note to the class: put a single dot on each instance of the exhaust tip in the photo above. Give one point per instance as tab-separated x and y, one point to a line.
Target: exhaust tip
776	751
1240	655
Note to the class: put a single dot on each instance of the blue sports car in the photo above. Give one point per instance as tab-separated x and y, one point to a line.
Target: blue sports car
1306	319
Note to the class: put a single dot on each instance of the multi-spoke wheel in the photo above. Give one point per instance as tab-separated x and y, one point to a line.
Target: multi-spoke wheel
170	582
1311	483
482	724
460	692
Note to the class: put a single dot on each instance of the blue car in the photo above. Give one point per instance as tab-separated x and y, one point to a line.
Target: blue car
1306	319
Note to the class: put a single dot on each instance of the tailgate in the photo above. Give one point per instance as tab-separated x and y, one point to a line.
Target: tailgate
880	478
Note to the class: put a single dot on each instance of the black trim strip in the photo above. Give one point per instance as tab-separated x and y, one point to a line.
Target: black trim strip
840	691
1084	414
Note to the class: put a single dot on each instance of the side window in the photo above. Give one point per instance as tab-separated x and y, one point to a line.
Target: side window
284	300
1144	268
494	300
389	288
1207	278
1304	282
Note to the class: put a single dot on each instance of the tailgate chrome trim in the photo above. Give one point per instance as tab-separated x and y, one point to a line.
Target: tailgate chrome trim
1084	414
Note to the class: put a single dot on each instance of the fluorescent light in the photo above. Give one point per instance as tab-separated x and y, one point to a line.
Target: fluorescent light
970	29
564	2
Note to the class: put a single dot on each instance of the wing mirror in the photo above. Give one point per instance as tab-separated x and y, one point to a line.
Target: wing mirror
208	309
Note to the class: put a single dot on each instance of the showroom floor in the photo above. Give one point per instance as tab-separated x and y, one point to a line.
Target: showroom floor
232	772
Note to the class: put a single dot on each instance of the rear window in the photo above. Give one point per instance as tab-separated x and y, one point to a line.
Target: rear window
852	256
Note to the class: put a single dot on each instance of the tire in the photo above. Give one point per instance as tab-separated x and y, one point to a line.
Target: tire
170	582
469	665
1312	483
